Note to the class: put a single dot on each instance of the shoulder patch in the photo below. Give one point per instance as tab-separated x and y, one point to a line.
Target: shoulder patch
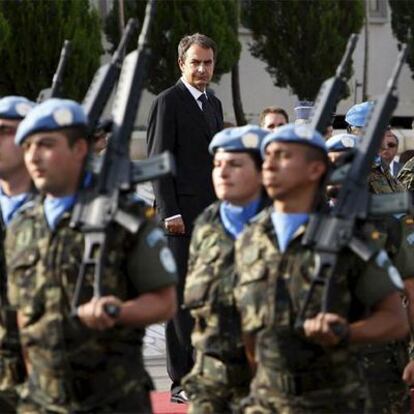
167	260
410	239
155	236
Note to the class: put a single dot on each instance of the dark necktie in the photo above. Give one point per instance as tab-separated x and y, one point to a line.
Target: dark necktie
208	113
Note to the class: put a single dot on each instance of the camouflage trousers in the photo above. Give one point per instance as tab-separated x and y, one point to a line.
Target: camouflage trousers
214	387
382	367
135	403
8	401
320	402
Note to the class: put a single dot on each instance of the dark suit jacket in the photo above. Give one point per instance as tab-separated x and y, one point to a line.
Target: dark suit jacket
176	123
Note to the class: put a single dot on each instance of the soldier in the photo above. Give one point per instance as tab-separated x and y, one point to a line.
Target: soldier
221	374
15	193
92	363
337	147
383	364
380	180
312	371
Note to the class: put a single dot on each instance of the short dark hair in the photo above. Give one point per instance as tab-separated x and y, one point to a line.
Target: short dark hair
76	133
272	110
314	154
257	159
196	39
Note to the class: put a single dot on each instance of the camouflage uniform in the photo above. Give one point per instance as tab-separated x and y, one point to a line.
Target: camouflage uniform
221	375
72	368
406	175
295	375
12	370
383	364
380	180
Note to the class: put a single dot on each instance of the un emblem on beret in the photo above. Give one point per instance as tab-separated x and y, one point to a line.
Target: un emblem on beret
23	108
347	142
63	117
303	131
250	140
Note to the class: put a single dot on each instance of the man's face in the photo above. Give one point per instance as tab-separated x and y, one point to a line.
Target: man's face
54	166
389	147
287	172
11	156
198	66
272	121
236	178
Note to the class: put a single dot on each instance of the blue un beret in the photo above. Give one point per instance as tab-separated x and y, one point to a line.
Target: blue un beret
298	134
238	139
15	107
51	115
342	142
357	115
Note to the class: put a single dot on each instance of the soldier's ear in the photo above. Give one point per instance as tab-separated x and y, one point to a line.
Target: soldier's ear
317	169
80	148
181	64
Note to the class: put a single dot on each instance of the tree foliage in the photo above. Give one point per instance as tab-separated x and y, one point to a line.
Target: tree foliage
402	23
301	42
174	19
37	30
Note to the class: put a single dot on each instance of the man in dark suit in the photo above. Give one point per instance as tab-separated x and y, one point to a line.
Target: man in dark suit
183	119
388	151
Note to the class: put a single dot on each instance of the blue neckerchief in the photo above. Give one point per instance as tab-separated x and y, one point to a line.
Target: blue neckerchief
10	205
235	217
285	225
55	207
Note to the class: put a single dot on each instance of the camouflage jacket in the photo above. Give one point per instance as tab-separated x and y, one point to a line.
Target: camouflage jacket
71	367
380	180
12	371
209	289
272	289
406	175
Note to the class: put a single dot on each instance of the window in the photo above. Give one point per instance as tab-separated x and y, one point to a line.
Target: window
377	11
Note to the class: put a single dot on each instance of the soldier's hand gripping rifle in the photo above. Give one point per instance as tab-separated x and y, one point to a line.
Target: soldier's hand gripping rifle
332	90
105	78
330	234
55	89
101	206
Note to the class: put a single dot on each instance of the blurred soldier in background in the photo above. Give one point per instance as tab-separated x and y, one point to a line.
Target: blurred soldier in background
16	193
221	375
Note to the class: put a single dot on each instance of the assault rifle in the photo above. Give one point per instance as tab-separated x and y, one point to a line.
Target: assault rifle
100	207
105	78
54	90
331	90
330	234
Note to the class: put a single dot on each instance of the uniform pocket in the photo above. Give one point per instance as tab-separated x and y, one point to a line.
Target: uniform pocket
200	279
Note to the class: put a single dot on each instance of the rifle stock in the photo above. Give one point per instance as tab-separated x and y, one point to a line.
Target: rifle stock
331	90
54	91
105	78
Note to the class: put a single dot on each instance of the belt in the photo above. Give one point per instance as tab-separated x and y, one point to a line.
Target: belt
298	384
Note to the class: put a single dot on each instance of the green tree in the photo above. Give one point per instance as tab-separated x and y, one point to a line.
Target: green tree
37	31
173	20
402	23
4	31
301	42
